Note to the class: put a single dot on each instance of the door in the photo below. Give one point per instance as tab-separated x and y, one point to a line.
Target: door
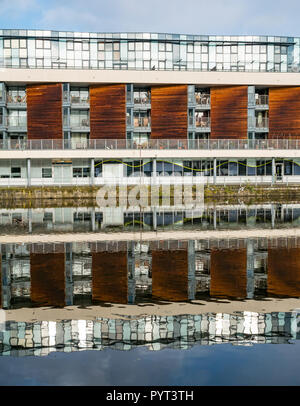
279	172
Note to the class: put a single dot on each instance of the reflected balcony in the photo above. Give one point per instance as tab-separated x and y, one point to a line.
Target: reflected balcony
202	99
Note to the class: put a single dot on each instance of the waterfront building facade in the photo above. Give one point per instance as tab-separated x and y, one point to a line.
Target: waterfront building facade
91	108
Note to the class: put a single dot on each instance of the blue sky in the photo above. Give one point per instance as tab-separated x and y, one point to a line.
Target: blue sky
273	17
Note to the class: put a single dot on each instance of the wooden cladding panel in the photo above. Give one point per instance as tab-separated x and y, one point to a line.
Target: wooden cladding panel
169	112
170	275
228	270
284	112
229	112
284	272
109	277
108	111
47	273
44	111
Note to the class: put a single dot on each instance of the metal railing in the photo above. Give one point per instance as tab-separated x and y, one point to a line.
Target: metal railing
153	144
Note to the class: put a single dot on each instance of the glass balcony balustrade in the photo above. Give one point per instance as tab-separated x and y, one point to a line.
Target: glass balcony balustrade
262	99
201	121
16	98
16	122
261	122
80	123
82	99
142	121
142	97
202	99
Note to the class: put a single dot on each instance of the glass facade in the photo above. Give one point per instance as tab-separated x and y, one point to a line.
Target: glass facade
147	51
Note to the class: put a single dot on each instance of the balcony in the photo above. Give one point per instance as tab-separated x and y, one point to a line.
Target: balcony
82	124
202	99
262	100
79	101
16	123
143	123
261	123
202	122
14	100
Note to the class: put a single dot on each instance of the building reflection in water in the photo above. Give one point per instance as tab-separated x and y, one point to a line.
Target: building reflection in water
210	217
132	272
154	332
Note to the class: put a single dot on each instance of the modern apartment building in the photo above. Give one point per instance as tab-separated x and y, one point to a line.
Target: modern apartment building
91	108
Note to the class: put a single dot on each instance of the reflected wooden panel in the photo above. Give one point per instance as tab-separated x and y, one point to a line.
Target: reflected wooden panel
47	272
108	111
229	112
284	272
170	275
228	270
284	112
109	277
44	111
169	112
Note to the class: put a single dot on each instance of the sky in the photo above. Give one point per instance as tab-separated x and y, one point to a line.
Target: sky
220	17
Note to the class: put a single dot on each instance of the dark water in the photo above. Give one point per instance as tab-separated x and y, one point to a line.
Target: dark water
202	348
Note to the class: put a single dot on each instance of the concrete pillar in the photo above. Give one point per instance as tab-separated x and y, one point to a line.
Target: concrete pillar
69	274
215	171
273	213
131	272
92	170
30	220
191	270
154	170
154	218
28	171
250	269
215	218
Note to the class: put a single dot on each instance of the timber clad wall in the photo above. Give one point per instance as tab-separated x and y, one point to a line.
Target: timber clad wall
284	272
169	112
47	272
170	275
284	112
44	111
109	277
228	270
108	111
229	112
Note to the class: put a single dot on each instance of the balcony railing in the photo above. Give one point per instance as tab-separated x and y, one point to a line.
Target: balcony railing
84	124
262	99
16	99
144	122
142	100
152	144
202	99
16	122
202	121
261	122
79	100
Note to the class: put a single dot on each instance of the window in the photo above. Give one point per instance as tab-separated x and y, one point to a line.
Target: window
7	43
39	43
46	172
70	45
15	172
81	172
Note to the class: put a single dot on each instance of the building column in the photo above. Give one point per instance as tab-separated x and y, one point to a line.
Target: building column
154	170
92	170
68	275
28	161
131	272
250	269
154	218
215	218
30	220
191	270
215	171
273	213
